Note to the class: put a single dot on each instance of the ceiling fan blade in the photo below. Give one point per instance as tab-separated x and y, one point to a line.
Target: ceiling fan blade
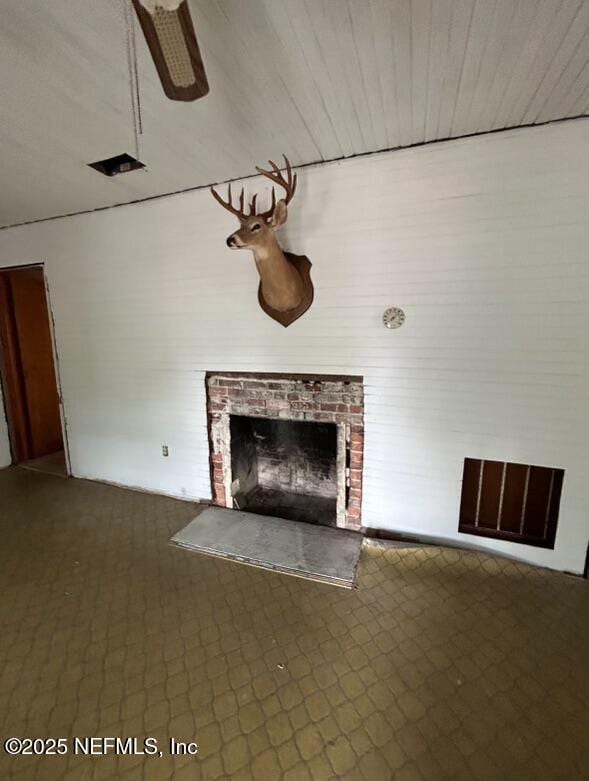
172	42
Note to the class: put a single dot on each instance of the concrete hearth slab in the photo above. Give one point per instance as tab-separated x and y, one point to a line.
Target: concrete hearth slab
301	549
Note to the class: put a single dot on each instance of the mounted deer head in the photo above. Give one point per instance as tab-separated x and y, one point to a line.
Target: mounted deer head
285	291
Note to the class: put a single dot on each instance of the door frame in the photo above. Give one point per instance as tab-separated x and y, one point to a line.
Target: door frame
14	447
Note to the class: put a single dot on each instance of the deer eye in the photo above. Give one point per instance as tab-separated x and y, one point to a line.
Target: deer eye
256	227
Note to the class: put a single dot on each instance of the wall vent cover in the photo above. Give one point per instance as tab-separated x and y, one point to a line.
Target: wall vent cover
514	502
120	164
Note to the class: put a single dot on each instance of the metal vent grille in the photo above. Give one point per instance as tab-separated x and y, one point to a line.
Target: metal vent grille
120	164
510	501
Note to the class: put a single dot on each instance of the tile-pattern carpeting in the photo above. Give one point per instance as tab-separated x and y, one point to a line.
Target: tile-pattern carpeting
441	665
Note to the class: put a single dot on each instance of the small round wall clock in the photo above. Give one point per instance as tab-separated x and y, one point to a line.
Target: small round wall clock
393	317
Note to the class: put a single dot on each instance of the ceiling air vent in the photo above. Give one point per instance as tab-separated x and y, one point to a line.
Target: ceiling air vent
120	164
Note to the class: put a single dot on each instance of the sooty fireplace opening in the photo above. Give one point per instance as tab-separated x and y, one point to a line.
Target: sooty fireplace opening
285	468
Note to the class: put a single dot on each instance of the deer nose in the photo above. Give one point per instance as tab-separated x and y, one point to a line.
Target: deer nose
231	241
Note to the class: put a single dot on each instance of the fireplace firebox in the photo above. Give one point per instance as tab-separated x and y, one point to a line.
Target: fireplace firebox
286	468
289	446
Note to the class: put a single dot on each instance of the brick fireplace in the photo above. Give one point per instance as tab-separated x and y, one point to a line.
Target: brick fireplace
288	445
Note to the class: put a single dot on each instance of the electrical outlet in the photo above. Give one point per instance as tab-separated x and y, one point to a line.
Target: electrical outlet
165	451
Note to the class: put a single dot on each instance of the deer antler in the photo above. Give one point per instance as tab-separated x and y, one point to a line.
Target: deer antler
289	184
228	204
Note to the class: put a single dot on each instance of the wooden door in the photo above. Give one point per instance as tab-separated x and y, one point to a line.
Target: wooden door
28	372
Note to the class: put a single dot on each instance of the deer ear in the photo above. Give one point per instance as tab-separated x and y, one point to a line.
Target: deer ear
279	214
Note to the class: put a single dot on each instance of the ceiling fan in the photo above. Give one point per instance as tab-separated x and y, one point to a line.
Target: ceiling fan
169	32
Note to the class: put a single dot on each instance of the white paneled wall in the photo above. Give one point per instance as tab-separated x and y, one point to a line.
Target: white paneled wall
5	457
483	242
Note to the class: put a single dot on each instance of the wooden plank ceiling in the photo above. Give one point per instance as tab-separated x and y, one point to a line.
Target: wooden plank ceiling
316	79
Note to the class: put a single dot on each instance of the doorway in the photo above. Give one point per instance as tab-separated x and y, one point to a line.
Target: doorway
28	372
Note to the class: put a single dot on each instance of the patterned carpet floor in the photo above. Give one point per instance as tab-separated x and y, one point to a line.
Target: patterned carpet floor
442	664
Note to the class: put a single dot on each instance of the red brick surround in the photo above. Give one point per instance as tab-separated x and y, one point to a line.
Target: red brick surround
327	399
